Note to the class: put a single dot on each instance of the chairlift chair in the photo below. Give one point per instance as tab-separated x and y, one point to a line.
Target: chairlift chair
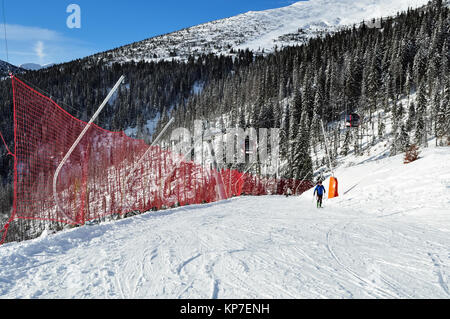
352	120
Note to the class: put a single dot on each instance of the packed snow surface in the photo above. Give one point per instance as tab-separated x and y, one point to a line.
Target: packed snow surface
387	236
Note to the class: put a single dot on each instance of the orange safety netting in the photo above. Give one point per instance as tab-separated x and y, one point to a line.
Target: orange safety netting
100	178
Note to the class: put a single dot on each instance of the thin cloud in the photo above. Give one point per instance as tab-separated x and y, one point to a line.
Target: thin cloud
39	50
25	33
28	44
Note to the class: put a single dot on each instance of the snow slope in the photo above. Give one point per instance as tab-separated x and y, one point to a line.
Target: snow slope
388	236
259	30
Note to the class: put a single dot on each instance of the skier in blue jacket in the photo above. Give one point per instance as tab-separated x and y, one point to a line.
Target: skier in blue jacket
320	190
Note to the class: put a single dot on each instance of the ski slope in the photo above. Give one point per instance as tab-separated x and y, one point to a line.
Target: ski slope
388	236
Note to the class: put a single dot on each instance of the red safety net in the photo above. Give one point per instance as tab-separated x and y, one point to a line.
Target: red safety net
106	174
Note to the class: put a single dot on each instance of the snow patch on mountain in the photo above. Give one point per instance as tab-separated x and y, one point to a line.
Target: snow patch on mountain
35	66
260	31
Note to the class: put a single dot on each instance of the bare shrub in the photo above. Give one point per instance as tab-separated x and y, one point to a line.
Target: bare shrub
412	154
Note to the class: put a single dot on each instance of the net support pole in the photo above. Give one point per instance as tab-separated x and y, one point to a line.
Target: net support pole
301	183
75	144
136	166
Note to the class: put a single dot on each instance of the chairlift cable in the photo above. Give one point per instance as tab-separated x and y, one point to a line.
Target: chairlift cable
5	35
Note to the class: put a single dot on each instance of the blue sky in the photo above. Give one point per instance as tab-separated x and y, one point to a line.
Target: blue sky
38	33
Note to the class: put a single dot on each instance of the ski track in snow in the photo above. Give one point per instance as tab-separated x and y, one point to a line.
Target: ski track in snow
388	237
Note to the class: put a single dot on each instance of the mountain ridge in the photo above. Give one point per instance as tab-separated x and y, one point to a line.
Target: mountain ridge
6	68
259	31
35	66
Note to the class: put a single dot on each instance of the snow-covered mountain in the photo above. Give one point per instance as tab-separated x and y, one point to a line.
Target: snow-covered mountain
260	31
35	66
31	66
6	67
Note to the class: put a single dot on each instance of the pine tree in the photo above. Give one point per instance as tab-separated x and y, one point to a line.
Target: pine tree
408	85
403	142
347	142
381	127
395	130
435	106
443	116
421	133
420	65
302	162
411	122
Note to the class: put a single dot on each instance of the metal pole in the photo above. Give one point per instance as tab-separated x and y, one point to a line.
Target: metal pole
75	144
136	166
304	179
150	148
